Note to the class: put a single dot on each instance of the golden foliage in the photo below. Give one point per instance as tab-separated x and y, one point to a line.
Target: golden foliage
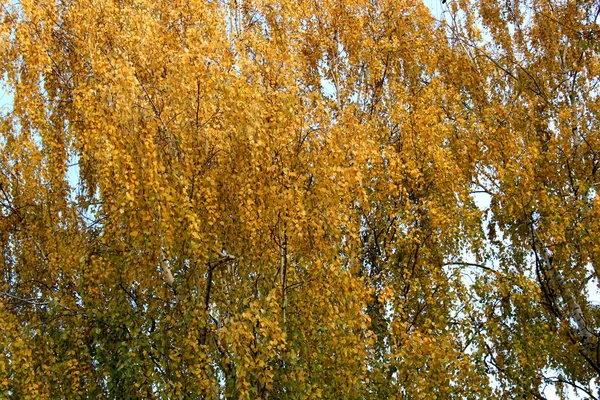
257	199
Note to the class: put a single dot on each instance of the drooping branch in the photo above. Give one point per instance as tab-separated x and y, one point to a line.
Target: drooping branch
283	266
223	259
469	264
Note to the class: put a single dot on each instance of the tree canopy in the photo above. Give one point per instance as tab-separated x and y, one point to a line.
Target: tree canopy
312	199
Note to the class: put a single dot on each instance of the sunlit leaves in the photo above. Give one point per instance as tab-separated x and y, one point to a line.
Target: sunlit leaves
269	200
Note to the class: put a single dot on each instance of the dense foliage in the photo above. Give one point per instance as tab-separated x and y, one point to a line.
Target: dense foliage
311	199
